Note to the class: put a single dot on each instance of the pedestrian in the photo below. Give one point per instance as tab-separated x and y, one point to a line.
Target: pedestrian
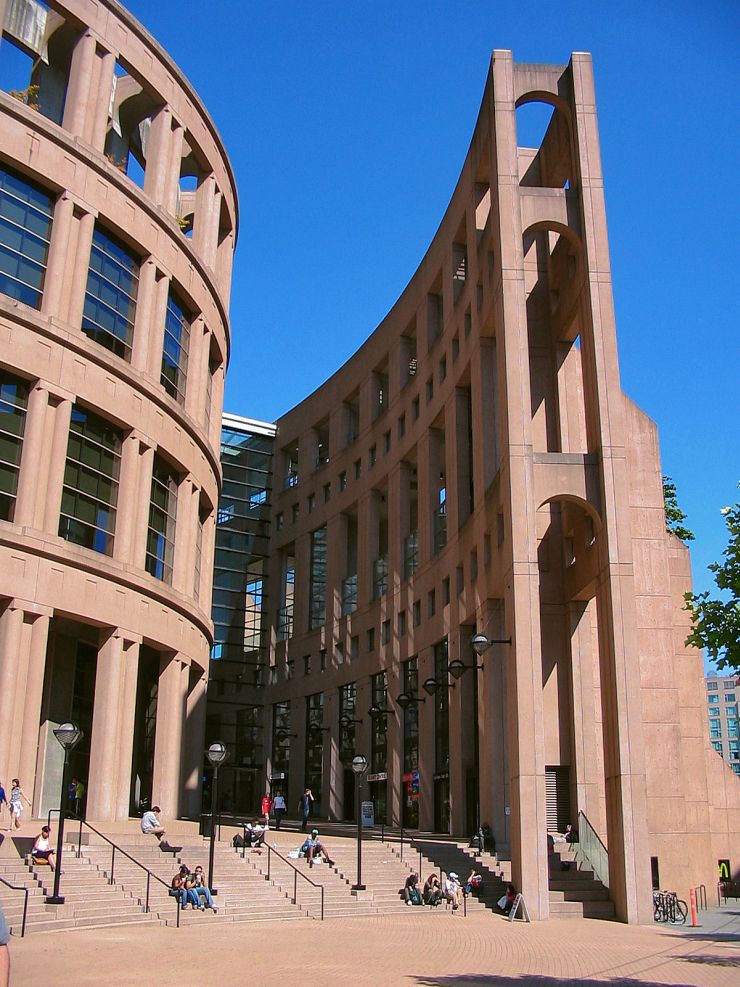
266	807
17	797
72	794
79	798
278	808
4	800
304	807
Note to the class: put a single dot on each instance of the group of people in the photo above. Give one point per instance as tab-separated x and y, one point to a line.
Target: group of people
191	888
435	892
14	804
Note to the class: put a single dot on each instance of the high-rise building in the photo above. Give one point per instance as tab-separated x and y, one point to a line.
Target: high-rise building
724	724
118	216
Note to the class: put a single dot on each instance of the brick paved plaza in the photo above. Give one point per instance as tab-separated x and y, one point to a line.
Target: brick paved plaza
427	949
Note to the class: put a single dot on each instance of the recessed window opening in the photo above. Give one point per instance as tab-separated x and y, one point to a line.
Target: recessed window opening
110	297
532	121
25	230
175	350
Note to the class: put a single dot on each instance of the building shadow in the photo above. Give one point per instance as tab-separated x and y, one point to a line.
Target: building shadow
525	980
731	962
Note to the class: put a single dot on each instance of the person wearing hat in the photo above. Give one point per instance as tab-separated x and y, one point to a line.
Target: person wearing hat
453	890
313	846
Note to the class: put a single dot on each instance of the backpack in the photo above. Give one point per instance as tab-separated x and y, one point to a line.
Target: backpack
415	896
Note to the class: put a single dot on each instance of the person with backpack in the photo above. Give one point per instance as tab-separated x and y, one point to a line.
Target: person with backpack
411	893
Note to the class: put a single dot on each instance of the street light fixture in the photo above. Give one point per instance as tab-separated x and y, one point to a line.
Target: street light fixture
216	754
481	643
69	735
405	700
458	668
359	766
376	710
345	720
431	685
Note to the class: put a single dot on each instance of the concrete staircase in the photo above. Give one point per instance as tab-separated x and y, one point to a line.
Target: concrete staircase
575	891
447	855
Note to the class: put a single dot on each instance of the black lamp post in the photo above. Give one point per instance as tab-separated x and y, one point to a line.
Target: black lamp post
216	754
68	735
359	766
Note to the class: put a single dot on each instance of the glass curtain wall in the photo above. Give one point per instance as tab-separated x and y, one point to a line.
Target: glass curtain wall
110	298
441	701
13	404
315	747
239	592
25	230
410	778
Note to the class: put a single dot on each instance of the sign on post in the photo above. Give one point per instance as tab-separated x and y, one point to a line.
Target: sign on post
367	814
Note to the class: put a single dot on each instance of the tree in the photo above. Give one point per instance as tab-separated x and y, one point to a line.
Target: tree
716	622
674	516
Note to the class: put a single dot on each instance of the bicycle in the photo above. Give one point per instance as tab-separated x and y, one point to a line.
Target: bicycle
668	907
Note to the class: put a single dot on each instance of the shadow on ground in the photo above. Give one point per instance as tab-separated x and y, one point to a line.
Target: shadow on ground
491	980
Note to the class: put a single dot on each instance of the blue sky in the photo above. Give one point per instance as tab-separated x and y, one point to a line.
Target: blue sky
347	124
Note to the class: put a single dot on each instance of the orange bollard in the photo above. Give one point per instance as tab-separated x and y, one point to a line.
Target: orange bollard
692	900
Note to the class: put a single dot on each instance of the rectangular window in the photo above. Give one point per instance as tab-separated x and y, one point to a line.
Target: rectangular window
731	710
160	548
13	403
110	298
317	589
25	230
175	350
347	722
90	491
712	685
729	697
713	699
715	729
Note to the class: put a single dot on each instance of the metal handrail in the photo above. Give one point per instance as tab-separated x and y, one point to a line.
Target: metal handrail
19	887
149	874
296	874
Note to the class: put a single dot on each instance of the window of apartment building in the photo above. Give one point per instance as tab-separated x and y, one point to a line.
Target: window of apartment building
732	727
734	750
317	585
712	685
401	426
415	408
175	349
371	639
713	699
430	390
729	697
445	591
385	632
160	547
13	404
358	469
731	710
717	744
90	490
387	441
307	664
715	729
110	297
343	480
327	492
354	647
431	603
322	659
289	669
402	623
372	457
311	503
728	684
417	613
295	513
279	521
714	712
25	230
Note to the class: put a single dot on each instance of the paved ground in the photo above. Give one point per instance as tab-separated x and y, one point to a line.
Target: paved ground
432	949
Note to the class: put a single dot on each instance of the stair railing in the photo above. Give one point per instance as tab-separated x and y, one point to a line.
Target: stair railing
296	874
19	887
590	845
115	848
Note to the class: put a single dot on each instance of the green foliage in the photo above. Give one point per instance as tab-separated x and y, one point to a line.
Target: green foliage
717	621
674	516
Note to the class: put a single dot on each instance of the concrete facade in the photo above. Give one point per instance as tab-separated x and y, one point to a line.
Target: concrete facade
476	468
119	221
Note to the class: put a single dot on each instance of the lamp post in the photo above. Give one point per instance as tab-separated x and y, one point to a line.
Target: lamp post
359	766
68	735
431	685
216	754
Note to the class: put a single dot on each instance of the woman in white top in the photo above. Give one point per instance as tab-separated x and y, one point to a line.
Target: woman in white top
42	849
16	804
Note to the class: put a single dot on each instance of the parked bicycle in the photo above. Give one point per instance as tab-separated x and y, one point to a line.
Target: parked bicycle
668	907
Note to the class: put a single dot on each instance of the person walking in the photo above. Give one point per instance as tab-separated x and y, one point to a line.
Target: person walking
266	807
3	799
17	797
278	808
304	807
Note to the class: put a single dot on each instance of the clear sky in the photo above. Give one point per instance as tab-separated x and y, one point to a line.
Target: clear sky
347	125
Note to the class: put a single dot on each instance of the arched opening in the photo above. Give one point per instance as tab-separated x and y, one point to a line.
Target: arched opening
544	141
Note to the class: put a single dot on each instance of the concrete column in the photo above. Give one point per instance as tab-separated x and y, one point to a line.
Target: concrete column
194	743
62	414
59	257
217	404
521	576
158	313
195	391
426	745
79	271
172	182
145	305
143	498
168	745
127	521
30	485
159	156
205	219
23	641
97	127
111	742
77	101
394	740
224	265
186	529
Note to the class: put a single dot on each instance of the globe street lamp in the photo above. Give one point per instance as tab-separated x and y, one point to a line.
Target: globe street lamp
216	754
68	735
404	700
359	766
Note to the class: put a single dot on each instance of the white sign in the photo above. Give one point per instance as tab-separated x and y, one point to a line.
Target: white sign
367	813
379	776
507	810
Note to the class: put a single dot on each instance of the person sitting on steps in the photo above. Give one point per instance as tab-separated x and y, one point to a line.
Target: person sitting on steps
42	849
151	824
313	846
411	892
432	891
